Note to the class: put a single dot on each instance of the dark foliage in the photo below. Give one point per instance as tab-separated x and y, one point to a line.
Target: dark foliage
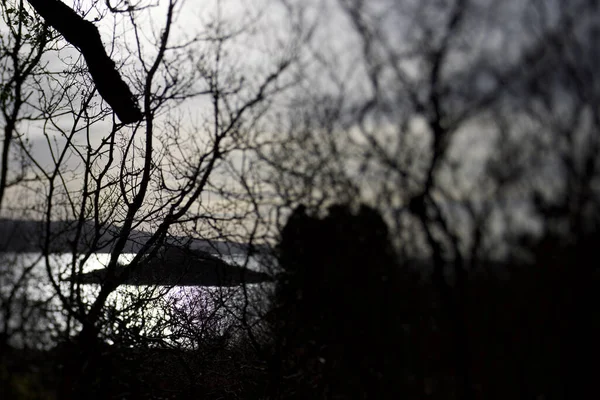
338	308
341	331
350	323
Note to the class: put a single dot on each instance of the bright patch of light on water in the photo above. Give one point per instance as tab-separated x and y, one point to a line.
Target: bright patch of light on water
169	314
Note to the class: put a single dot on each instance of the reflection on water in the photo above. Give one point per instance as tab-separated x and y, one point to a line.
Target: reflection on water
33	312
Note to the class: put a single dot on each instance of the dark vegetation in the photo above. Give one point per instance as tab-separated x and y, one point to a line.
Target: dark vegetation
339	309
348	321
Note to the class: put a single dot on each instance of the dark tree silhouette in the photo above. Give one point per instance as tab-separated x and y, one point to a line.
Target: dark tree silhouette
338	313
84	35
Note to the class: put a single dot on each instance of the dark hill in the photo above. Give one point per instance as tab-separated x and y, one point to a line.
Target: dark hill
27	236
182	267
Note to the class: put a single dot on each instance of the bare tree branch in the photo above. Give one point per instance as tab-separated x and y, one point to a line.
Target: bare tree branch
85	36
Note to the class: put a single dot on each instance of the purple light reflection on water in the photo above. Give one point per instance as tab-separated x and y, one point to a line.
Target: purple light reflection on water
178	314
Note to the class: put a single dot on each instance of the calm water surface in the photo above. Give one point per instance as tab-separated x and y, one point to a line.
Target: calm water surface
30	302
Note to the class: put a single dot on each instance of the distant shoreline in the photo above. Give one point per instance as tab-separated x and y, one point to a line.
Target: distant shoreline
26	236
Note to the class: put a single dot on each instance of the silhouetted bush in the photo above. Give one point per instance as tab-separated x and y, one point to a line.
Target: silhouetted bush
337	305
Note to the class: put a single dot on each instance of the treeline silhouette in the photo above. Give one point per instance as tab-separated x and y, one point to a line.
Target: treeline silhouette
353	323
